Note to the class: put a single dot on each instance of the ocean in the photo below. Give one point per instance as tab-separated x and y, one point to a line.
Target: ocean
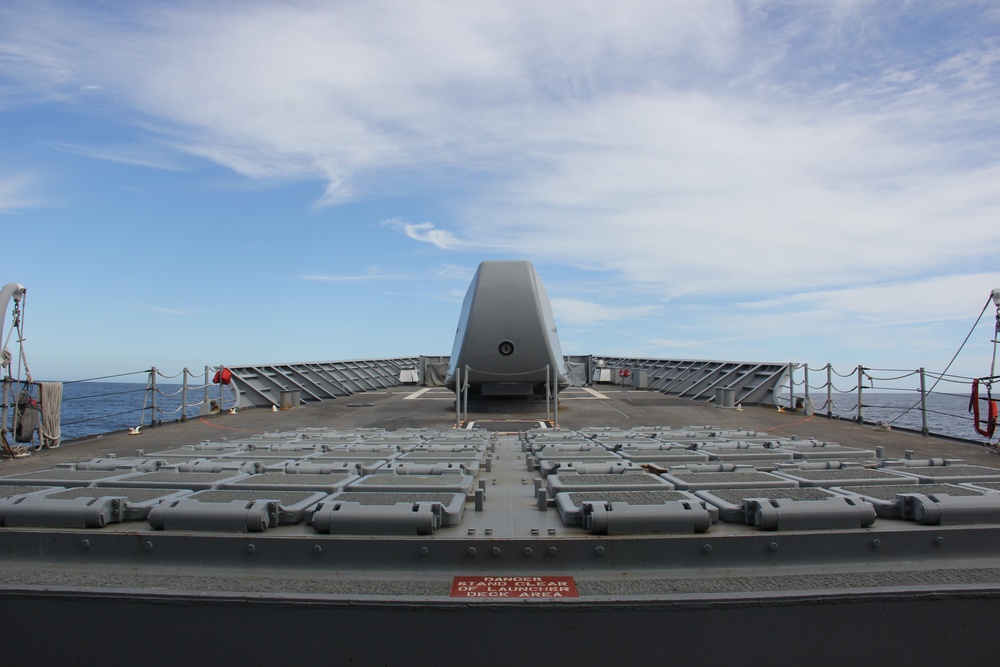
93	408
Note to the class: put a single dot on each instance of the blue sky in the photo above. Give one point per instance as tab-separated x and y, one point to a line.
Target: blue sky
191	183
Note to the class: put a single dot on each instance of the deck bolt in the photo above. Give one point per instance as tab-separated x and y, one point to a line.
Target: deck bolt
773	546
528	551
553	551
85	543
424	551
250	548
939	540
876	543
147	545
471	551
495	551
599	551
317	549
707	548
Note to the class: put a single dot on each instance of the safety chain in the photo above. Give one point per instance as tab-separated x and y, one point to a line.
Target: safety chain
888	379
470	369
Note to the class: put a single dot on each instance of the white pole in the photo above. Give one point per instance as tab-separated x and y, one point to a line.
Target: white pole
555	397
458	397
465	403
547	390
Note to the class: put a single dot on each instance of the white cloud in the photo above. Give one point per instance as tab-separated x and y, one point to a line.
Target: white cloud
719	196
141	155
375	275
426	232
16	192
453	272
930	299
576	311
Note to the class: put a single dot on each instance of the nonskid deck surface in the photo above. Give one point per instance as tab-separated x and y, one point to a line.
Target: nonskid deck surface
621	501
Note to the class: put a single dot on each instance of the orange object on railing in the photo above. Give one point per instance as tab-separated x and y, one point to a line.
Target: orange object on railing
991	420
223	375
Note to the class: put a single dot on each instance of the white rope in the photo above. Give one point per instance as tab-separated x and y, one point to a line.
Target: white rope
49	430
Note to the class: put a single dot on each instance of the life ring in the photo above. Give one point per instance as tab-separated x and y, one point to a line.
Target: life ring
992	411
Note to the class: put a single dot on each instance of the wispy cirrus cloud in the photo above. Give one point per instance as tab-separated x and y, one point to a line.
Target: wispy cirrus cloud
577	311
427	232
373	275
17	192
454	272
141	155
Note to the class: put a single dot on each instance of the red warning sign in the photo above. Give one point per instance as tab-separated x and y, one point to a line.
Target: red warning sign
513	587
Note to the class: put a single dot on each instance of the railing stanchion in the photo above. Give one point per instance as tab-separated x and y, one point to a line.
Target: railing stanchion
805	384
204	405
923	402
791	387
555	399
184	395
548	389
465	402
458	397
829	391
152	392
861	379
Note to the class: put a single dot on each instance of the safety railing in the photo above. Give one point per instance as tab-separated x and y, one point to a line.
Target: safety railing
134	400
463	386
216	395
915	400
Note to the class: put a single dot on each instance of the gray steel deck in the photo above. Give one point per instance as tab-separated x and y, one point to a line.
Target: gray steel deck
255	581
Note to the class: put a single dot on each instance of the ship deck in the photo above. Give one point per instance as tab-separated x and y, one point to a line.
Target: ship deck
374	587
